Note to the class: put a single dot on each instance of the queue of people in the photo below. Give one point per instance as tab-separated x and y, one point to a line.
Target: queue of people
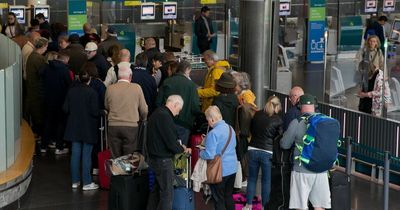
65	97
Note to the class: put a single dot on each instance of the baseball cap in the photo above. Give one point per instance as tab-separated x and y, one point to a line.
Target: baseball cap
91	46
111	30
307	99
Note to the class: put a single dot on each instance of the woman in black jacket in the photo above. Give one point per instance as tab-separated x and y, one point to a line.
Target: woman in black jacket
81	106
266	125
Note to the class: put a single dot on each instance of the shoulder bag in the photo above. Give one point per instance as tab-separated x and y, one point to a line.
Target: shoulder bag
214	166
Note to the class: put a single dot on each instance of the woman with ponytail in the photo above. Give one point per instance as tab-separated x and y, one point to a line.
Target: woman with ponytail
266	125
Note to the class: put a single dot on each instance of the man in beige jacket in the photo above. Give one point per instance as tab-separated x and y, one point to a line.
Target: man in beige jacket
126	106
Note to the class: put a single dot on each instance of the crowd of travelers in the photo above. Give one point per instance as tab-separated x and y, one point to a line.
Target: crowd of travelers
68	82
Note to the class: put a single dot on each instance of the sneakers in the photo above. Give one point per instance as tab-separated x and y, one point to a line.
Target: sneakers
52	145
43	150
244	184
247	207
95	171
91	186
76	185
61	151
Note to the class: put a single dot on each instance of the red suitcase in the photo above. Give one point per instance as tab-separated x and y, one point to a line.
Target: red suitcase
195	140
104	154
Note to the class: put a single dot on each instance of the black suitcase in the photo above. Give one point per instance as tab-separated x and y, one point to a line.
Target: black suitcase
280	187
340	191
129	192
280	177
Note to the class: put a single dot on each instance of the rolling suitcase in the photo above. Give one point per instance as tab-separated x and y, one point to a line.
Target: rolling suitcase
129	192
195	140
104	154
340	191
280	177
184	196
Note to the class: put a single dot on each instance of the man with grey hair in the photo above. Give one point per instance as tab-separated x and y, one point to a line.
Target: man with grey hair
294	112
28	49
208	92
126	106
162	145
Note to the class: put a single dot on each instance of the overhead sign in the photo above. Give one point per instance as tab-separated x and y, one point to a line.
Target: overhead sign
19	12
388	5
284	7
371	6
76	16
148	11
316	30
169	10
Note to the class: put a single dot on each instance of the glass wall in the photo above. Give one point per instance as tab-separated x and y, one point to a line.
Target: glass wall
10	101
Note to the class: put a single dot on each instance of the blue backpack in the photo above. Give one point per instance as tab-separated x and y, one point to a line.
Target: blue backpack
319	150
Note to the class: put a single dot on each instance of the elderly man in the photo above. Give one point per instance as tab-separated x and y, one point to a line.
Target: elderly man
294	112
208	92
109	41
88	35
126	106
93	56
162	145
180	84
112	73
27	50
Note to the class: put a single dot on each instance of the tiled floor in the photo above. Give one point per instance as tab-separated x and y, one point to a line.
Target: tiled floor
50	189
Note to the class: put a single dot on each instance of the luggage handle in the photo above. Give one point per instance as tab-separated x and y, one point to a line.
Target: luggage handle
188	169
103	129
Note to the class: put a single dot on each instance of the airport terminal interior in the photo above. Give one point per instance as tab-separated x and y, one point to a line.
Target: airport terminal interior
314	44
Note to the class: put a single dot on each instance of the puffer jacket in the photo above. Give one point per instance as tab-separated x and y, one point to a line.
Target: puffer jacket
208	92
264	130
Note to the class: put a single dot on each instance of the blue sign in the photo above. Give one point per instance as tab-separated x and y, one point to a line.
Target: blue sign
316	41
316	31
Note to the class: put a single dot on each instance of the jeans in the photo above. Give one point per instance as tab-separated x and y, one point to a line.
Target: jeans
222	193
85	150
161	197
183	134
256	160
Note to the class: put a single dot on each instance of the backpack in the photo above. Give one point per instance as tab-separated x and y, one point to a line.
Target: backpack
319	150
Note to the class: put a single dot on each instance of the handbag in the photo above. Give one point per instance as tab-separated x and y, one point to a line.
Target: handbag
214	166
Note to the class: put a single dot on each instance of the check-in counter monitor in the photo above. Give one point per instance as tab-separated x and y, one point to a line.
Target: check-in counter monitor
19	12
148	11
44	9
169	10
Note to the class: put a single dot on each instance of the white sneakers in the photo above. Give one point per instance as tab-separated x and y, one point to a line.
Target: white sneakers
95	171
91	186
76	185
61	151
247	207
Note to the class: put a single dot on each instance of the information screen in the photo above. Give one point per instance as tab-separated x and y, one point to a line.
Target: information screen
370	6
169	10
19	13
284	8
148	11
44	10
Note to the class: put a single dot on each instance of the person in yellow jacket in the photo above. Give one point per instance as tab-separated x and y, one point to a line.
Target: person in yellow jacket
208	92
